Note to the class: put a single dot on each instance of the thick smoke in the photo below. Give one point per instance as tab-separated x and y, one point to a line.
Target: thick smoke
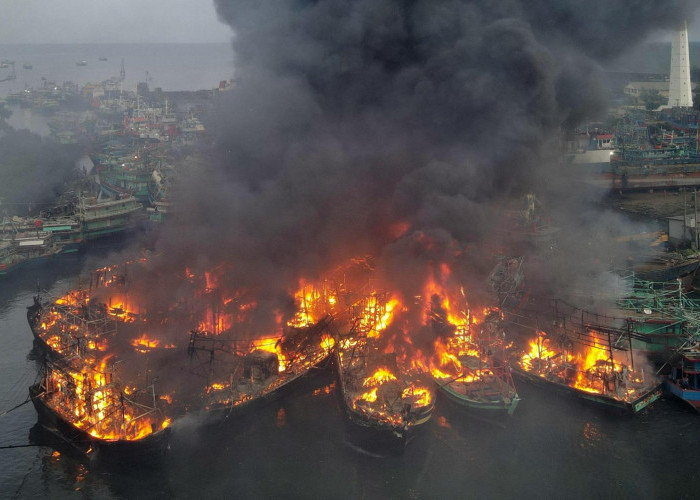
398	129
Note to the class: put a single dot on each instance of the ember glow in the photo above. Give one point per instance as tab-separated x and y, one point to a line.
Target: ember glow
143	343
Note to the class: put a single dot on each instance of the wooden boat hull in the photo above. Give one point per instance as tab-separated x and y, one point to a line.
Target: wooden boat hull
684	271
149	449
9	267
601	400
688	396
218	414
33	318
496	404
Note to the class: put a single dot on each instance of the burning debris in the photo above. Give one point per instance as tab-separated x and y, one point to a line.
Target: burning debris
384	379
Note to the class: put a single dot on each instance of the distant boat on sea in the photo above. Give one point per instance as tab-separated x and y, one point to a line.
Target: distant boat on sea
27	66
101	58
81	63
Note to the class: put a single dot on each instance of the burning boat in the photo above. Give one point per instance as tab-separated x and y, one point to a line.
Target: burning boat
385	401
245	374
585	366
241	370
470	366
73	324
93	412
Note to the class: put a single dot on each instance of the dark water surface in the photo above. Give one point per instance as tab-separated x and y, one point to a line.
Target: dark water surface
295	447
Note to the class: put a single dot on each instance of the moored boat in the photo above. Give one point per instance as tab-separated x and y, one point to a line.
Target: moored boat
73	324
683	381
85	407
665	269
385	403
470	366
244	375
100	218
588	370
25	248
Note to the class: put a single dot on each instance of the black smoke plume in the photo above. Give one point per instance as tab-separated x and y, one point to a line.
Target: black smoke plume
399	129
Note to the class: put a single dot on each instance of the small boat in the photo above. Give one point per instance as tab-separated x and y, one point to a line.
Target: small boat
27	66
101	58
684	380
81	63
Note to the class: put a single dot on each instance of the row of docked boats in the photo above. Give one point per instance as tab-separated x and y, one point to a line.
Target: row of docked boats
142	173
388	389
29	240
387	398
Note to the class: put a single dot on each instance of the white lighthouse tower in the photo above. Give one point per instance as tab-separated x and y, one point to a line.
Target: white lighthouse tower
680	94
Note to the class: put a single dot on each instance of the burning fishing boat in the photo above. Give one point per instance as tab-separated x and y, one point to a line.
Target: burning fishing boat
385	402
86	318
585	366
245	374
92	411
73	323
470	366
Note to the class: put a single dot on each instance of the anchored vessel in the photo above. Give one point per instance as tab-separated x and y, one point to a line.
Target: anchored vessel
23	248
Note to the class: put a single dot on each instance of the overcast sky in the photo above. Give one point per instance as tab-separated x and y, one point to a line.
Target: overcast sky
113	21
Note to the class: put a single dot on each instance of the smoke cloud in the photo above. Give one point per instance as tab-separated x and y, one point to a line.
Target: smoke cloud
399	129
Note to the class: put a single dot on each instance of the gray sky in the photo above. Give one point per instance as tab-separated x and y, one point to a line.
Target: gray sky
110	21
